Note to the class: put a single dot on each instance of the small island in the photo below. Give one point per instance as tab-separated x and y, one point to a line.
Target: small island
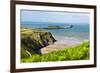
57	27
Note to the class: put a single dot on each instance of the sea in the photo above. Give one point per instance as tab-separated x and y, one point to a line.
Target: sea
79	31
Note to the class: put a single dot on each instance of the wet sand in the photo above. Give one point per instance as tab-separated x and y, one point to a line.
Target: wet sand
61	43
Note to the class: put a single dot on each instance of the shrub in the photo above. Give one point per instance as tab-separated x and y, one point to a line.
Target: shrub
80	52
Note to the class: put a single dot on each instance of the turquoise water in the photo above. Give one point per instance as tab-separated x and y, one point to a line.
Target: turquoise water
79	31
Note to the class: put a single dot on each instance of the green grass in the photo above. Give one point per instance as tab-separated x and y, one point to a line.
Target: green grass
80	52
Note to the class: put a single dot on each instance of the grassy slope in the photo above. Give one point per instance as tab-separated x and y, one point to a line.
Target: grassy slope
80	52
32	40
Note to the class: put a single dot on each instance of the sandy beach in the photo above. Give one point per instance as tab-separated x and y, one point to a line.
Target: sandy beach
61	43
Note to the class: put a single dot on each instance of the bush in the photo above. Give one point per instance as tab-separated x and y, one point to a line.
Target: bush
80	52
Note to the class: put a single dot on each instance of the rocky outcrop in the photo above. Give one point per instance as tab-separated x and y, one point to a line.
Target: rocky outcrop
57	27
32	40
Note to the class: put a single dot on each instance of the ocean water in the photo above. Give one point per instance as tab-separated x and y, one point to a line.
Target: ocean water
79	31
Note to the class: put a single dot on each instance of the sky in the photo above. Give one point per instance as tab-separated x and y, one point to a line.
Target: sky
51	16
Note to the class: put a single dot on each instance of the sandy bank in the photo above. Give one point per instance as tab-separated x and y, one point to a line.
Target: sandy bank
61	43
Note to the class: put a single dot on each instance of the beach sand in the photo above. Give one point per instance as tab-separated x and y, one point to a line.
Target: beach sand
61	43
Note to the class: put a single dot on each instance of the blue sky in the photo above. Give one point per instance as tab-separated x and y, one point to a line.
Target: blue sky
50	16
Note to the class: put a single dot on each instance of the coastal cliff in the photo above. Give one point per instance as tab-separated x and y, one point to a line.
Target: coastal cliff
32	40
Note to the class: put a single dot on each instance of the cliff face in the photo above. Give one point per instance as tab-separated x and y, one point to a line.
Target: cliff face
32	40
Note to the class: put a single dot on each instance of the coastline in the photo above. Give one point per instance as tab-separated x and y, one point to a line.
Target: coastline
40	46
61	43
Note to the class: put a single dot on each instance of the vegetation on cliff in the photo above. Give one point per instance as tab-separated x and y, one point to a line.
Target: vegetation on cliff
32	40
